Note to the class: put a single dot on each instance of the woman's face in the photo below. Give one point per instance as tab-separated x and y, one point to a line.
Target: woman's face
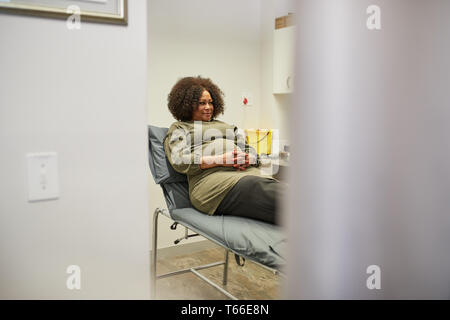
205	108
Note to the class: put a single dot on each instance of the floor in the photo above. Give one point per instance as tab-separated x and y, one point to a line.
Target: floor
250	282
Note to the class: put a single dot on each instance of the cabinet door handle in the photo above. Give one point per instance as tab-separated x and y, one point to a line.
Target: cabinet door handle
288	82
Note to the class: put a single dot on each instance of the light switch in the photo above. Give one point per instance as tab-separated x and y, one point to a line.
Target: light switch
42	176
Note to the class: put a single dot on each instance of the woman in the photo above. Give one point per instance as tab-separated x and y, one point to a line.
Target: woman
221	168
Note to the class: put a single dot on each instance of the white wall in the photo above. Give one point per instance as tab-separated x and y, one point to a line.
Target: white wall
82	94
216	39
275	109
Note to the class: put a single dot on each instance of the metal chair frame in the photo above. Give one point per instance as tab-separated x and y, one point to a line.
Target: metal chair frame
195	270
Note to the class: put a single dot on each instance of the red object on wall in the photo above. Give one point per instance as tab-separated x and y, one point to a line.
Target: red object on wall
245	101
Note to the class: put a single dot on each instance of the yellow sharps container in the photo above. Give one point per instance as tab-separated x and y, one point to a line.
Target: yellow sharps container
260	140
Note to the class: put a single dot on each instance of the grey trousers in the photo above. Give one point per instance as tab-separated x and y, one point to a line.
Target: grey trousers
253	197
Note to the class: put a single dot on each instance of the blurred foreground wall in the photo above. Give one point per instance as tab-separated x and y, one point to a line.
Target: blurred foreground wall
82	94
371	121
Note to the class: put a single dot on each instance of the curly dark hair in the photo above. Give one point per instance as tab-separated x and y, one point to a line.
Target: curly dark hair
185	95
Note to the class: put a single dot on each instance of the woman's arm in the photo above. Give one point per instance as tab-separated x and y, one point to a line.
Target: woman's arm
236	159
243	144
177	146
209	162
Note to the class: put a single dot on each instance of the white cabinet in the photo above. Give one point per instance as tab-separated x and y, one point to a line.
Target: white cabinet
283	60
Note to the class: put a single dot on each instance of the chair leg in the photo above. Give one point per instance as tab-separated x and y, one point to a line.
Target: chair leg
154	253
225	269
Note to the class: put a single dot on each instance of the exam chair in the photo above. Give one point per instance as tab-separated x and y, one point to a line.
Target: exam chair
248	239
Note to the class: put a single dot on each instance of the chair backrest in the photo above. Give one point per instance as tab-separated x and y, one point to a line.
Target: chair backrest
174	184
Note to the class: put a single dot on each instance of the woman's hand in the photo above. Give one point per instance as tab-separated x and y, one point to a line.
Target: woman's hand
236	159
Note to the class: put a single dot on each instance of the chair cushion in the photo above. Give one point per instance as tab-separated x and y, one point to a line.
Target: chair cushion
160	166
256	240
176	195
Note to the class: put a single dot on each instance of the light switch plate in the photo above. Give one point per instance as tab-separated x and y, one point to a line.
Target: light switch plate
42	176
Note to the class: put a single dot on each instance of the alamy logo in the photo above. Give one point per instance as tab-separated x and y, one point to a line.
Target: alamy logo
374	20
188	149
374	280
74	280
